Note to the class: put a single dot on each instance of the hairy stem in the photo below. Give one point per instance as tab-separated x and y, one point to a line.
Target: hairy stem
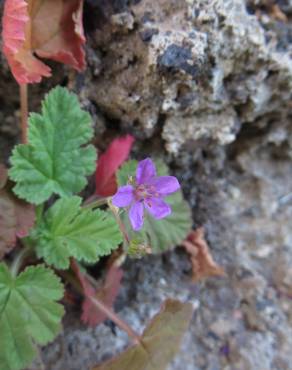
104	308
24	112
116	319
119	221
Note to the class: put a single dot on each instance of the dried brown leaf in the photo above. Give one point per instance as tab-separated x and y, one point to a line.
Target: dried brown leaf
277	13
272	9
203	264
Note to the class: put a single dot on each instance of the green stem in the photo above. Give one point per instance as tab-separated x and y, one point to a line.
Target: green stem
119	221
96	203
39	212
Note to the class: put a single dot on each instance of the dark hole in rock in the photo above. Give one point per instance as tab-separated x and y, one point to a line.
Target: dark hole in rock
178	58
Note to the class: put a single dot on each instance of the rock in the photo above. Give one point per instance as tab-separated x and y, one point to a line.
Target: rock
122	22
197	60
207	86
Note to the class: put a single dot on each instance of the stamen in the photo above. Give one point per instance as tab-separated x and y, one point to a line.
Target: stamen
146	192
149	203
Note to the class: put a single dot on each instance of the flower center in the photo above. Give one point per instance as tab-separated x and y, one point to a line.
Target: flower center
144	192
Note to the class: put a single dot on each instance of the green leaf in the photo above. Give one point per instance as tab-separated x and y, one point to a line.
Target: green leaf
29	314
127	171
68	230
55	160
159	234
159	343
172	230
167	233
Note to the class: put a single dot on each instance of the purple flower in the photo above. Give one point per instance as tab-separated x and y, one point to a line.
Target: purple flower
148	191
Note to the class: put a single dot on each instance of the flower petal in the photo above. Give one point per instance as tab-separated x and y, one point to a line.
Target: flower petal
124	196
157	208
136	214
145	171
165	185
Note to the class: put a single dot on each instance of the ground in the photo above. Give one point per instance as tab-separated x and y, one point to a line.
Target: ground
206	85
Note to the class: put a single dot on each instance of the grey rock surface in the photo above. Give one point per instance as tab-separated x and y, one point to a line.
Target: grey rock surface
207	85
214	82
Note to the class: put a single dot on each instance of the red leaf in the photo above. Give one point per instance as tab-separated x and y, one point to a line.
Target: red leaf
107	293
88	290
25	217
109	162
7	224
3	176
16	216
203	264
29	31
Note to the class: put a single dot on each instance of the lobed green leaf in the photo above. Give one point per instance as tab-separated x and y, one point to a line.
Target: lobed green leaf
67	230
55	159
29	314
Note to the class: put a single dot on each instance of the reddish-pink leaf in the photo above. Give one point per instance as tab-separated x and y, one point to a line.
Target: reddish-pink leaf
109	162
25	217
3	176
7	224
47	28
16	216
107	293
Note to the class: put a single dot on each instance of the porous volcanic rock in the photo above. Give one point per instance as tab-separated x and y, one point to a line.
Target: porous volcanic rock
205	84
